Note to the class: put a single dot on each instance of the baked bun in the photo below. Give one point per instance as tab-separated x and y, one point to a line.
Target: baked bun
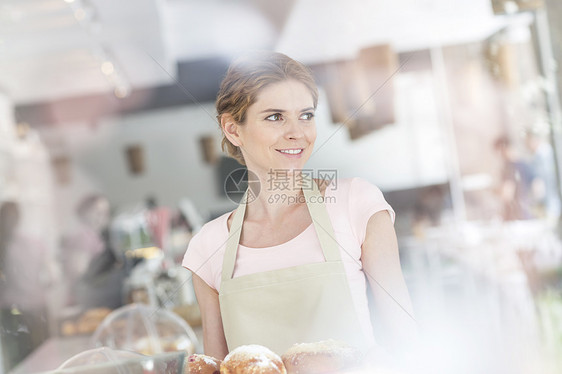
322	357
201	364
252	359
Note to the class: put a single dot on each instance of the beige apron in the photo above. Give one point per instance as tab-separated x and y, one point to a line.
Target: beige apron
299	304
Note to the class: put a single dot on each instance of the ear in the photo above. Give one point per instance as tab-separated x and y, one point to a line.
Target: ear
231	129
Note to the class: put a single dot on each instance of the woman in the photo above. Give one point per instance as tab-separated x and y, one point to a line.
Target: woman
25	275
93	270
85	243
289	265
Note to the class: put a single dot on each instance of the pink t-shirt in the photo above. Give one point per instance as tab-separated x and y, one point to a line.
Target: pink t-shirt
350	203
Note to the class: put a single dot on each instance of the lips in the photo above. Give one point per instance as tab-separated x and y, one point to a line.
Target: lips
291	151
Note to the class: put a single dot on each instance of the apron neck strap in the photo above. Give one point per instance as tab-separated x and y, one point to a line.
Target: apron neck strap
320	219
233	240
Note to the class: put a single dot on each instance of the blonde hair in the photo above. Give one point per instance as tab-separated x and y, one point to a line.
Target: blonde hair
246	77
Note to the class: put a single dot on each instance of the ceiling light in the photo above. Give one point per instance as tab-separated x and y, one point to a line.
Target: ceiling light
121	92
107	68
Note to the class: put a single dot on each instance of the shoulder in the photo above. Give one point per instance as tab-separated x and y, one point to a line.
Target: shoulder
367	198
354	187
362	184
211	231
334	185
202	251
348	185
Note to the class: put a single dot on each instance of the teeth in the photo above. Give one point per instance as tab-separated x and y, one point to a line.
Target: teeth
291	151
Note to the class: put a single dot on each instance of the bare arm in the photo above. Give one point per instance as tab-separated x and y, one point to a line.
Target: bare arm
381	264
214	341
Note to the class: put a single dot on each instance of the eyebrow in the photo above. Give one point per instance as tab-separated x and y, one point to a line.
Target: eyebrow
282	110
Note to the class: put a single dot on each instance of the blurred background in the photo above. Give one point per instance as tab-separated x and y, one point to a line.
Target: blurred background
110	161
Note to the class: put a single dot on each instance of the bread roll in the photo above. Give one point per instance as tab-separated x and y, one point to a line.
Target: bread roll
201	364
326	356
252	359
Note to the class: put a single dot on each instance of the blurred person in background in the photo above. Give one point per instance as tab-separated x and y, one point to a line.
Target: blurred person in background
516	180
158	219
88	241
544	184
24	278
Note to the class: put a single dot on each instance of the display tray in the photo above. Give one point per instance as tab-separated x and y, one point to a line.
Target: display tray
165	363
82	322
52	353
56	350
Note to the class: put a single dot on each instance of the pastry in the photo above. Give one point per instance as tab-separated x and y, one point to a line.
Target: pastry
201	364
91	319
252	359
322	357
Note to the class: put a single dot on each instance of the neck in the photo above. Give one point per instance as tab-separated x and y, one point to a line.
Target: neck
278	196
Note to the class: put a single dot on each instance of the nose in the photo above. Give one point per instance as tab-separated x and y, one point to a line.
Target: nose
293	129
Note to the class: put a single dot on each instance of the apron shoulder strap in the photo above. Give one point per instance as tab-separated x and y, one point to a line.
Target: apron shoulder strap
233	240
320	219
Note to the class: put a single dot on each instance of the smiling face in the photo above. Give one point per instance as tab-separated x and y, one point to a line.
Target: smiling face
280	130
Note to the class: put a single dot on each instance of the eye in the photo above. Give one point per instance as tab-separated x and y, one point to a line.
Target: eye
274	117
307	116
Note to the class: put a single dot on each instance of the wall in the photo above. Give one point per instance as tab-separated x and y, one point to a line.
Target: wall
173	165
399	156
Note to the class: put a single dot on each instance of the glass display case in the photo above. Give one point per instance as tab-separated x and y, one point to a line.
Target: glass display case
147	330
